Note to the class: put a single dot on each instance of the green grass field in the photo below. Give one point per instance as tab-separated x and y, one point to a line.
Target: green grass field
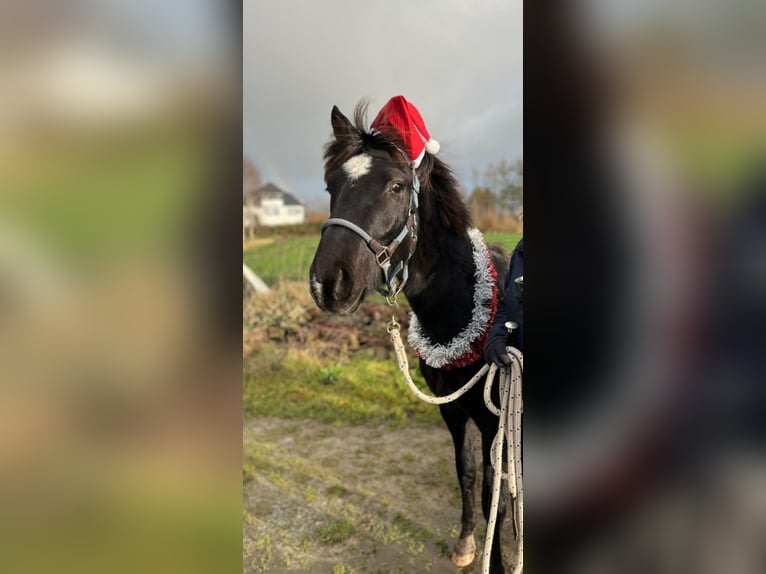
286	259
289	258
287	379
294	384
507	240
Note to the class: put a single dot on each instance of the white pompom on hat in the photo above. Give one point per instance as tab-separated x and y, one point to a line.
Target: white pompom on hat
401	115
432	146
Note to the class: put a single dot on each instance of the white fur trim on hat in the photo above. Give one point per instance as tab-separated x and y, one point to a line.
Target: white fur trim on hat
432	146
417	160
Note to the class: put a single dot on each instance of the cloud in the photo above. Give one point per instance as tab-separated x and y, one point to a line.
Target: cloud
459	62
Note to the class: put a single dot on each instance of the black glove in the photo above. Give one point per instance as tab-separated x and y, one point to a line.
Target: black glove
494	352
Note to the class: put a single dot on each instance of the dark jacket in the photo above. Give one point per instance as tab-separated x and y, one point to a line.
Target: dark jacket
510	308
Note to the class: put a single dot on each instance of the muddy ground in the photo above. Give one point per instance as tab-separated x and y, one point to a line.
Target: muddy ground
323	498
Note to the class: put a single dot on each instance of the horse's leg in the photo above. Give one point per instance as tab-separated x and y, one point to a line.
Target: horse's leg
488	427
456	418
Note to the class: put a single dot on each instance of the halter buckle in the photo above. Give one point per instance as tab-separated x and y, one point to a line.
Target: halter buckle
383	258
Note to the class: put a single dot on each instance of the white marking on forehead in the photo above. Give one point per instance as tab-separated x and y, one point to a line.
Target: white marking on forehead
357	166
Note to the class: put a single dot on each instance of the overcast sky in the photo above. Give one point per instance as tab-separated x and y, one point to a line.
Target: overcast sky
459	62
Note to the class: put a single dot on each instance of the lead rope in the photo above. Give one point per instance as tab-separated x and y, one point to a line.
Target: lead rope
508	433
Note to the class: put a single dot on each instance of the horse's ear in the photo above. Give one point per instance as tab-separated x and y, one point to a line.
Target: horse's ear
341	126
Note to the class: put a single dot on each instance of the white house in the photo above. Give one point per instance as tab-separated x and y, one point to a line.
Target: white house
268	205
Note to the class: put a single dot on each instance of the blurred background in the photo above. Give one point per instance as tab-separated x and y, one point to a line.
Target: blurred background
120	390
646	253
120	348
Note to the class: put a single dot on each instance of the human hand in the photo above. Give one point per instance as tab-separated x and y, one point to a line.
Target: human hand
495	352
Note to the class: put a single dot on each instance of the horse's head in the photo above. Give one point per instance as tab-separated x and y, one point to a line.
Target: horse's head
370	182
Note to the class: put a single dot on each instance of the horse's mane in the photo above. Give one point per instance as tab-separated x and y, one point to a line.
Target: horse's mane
440	199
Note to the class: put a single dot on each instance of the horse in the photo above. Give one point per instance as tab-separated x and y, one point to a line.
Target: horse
396	228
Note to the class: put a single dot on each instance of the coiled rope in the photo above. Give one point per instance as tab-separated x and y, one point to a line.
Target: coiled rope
508	433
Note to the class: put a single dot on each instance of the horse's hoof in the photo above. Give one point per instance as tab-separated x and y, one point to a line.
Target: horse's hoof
464	551
462	560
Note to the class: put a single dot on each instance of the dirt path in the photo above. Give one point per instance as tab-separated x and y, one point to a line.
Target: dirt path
327	499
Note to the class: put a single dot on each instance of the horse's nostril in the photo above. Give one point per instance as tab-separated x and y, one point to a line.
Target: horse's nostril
342	288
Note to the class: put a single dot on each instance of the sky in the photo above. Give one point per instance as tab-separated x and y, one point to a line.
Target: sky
459	62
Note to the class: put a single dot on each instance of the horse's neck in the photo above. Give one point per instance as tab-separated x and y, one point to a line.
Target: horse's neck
440	291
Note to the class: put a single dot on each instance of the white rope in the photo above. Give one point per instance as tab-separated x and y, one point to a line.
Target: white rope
401	357
508	432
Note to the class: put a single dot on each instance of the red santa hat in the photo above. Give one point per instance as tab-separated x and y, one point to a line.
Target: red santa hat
405	118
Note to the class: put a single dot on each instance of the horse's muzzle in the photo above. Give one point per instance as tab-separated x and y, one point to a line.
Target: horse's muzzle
334	292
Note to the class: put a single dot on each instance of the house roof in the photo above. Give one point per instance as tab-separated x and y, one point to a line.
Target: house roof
271	190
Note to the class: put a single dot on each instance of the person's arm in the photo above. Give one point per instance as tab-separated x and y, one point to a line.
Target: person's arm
509	309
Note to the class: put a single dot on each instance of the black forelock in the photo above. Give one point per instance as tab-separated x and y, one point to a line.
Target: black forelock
360	140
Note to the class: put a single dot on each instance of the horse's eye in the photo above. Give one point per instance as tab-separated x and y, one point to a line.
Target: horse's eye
397	188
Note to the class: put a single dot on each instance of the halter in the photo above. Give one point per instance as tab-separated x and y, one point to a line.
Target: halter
383	253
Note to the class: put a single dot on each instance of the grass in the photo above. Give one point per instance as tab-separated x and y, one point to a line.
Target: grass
365	391
402	529
507	240
337	531
285	259
292	382
289	258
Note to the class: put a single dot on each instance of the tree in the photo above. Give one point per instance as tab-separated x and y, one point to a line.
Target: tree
482	202
497	196
251	177
506	182
251	180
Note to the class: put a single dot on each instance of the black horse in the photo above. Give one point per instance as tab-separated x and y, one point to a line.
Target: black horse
451	283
